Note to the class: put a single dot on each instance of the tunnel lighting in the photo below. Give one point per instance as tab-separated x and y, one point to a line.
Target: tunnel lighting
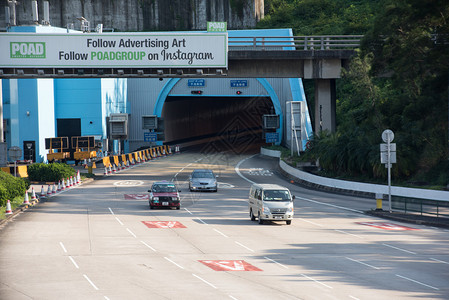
197	92
238	92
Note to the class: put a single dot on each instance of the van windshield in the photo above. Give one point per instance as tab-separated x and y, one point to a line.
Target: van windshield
276	195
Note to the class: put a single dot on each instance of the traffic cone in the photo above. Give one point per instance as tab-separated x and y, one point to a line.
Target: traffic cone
26	200
169	150
105	171
33	194
71	181
123	165
63	184
8	208
53	191
42	195
78	177
69	185
109	169
59	186
48	191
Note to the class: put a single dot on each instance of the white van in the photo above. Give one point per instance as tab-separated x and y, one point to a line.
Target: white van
270	202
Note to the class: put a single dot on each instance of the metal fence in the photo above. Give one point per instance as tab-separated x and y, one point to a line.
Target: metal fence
423	207
318	42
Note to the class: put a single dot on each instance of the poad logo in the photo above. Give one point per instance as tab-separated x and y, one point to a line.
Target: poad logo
27	49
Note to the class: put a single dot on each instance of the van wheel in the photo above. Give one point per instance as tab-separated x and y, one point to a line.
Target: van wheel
288	222
251	215
260	219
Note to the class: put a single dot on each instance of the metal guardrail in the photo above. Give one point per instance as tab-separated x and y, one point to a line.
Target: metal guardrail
318	42
423	207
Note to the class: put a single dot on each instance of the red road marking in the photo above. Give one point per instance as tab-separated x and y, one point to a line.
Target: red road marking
386	226
229	265
136	196
163	224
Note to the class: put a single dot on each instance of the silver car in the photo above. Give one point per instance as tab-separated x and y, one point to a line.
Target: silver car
203	180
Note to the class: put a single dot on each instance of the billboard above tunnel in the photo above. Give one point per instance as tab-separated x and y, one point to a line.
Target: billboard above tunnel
114	50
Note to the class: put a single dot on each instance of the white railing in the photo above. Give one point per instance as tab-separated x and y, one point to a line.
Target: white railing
318	42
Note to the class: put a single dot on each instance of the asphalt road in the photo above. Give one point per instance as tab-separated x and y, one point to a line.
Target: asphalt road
101	241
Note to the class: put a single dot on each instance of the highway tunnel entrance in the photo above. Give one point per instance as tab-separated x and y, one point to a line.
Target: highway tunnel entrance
216	124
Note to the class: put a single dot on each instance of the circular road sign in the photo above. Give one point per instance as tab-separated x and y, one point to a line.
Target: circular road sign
387	136
15	153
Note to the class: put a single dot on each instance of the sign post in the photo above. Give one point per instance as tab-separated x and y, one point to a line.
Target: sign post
15	153
388	157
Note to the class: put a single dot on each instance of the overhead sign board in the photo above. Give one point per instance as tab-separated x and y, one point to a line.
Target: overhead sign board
150	137
114	50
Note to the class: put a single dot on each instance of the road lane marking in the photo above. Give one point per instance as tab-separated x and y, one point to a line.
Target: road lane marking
232	297
352	297
244	246
237	169
360	262
440	261
128	183
276	262
399	249
202	221
331	205
62	246
111	210
204	281
310	278
415	281
73	261
148	246
132	233
221	233
118	220
90	281
341	231
188	211
319	225
181	267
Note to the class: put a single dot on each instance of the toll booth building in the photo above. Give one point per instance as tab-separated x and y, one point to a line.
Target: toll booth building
221	113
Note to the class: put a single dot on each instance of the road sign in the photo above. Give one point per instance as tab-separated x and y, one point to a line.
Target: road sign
163	224
384	157
271	137
196	82
384	147
229	265
149	136
15	153
387	136
239	83
217	26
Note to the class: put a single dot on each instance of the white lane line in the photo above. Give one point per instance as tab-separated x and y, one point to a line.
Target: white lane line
91	283
148	246
181	267
188	211
132	233
74	262
232	297
313	223
386	245
272	260
118	220
111	210
106	298
310	278
440	261
202	221
204	281
237	169
62	246
352	297
360	262
221	233
415	281
244	246
341	231
331	205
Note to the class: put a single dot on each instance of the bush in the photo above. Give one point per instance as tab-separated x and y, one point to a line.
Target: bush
49	172
11	187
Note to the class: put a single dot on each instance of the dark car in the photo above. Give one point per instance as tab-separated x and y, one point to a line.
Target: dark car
164	194
203	180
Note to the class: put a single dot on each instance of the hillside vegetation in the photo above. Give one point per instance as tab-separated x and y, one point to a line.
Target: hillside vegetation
408	40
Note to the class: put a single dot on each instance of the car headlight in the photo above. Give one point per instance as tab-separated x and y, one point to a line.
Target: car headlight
175	198
265	210
290	209
155	198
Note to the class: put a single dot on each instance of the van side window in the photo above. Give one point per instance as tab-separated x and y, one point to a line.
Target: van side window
259	194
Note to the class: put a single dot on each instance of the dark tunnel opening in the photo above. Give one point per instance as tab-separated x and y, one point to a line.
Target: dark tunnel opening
216	124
